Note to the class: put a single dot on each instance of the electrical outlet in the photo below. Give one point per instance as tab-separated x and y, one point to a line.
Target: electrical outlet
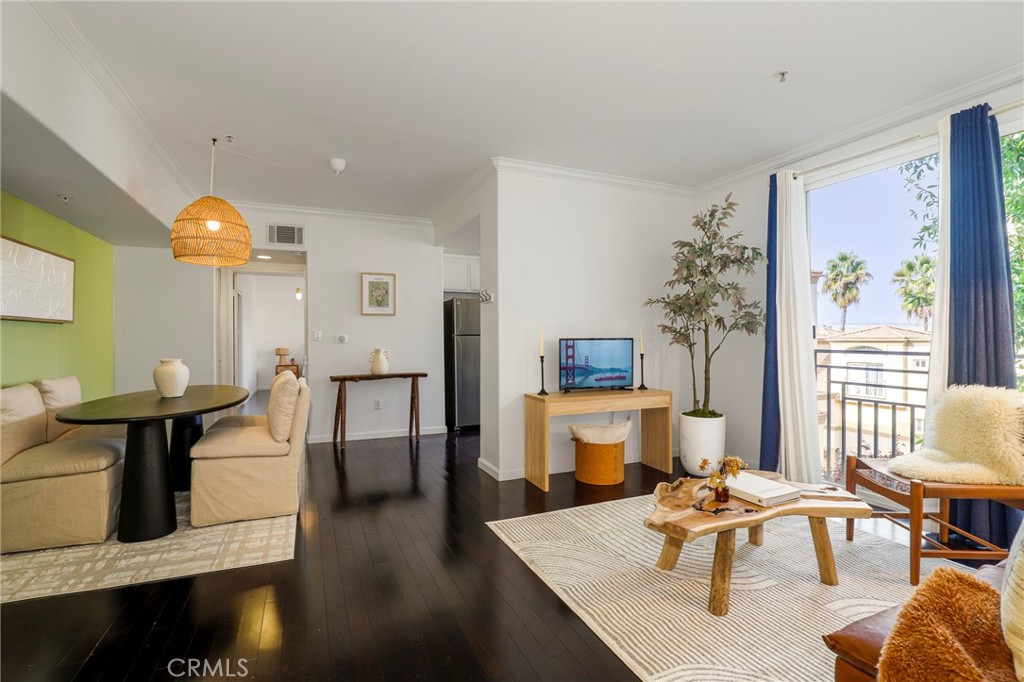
376	404
318	336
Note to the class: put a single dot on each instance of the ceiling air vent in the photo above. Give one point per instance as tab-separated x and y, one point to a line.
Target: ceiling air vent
284	234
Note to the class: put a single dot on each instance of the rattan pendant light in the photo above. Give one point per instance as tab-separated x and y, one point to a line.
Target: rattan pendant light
209	231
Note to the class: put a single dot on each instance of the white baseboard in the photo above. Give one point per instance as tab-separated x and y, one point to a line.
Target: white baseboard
373	435
500	475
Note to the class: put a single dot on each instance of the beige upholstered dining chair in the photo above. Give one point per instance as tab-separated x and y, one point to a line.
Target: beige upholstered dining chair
250	466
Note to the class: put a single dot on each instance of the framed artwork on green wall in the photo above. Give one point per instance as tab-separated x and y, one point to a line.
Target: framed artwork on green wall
37	285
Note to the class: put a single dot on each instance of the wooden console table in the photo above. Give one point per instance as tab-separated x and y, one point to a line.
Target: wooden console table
414	399
655	407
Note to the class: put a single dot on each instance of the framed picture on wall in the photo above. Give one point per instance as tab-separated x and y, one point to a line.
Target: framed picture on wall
378	293
37	285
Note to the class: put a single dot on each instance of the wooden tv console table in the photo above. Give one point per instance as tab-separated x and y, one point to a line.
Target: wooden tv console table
655	407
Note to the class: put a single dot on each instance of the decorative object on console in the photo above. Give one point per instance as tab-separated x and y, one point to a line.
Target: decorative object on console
642	386
379	361
703	264
378	296
37	286
171	378
210	231
720	473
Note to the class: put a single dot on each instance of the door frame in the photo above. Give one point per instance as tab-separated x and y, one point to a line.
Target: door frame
224	311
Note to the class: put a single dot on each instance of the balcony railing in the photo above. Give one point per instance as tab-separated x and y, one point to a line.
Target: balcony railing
866	383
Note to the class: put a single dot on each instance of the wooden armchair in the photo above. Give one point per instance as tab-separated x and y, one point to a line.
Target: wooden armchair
873	474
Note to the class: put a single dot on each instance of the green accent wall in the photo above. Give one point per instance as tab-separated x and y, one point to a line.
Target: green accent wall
85	347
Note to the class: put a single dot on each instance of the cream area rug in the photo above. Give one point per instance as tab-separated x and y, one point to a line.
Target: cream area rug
186	551
599	559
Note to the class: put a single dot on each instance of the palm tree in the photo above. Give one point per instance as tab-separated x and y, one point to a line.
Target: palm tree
915	284
844	276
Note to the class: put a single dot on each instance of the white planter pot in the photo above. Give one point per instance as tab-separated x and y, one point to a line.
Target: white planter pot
700	438
171	378
379	361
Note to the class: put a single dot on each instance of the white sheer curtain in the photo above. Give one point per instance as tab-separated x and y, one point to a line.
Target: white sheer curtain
799	453
938	359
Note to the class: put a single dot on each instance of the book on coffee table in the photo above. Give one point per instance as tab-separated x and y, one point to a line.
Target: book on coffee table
761	491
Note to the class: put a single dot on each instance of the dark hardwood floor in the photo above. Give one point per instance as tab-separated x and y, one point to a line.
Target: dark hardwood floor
395	577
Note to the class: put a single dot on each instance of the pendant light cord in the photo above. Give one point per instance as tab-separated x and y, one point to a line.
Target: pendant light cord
213	164
279	165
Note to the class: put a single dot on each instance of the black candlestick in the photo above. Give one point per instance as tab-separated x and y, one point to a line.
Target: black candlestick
641	387
542	391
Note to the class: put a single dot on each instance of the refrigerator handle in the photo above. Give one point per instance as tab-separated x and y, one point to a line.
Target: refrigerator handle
455	377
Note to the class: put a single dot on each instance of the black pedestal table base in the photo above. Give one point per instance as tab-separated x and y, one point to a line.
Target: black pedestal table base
147	503
185	432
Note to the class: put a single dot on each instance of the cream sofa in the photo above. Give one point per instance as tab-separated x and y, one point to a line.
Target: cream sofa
59	484
240	471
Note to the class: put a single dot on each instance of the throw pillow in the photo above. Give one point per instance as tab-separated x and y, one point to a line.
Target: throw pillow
949	629
58	394
284	394
1012	602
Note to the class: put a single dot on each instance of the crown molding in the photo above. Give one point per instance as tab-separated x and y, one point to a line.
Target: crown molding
541	169
477	180
68	33
964	95
334	213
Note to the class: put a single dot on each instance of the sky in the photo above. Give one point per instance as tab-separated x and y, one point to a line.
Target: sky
869	215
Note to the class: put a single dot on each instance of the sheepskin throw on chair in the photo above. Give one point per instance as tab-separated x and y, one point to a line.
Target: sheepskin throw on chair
973	434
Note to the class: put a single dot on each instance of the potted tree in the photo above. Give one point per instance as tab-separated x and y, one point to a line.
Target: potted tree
703	306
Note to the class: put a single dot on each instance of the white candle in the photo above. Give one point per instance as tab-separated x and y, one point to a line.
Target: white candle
641	342
542	341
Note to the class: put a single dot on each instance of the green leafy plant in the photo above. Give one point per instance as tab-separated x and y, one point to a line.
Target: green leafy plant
704	305
844	276
915	284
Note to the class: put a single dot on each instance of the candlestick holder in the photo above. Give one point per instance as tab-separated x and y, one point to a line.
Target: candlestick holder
542	391
641	387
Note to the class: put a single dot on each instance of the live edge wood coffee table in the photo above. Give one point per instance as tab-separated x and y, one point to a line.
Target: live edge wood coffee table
677	518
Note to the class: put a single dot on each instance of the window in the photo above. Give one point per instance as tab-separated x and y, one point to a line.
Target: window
918	426
865	373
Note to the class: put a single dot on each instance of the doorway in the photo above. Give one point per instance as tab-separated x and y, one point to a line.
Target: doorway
262	323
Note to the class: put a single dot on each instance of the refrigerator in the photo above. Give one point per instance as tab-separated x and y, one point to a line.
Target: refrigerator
462	363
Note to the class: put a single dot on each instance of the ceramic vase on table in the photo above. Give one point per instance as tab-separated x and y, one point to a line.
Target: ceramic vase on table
379	361
171	378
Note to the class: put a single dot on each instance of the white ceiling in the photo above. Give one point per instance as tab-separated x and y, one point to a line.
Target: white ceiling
418	96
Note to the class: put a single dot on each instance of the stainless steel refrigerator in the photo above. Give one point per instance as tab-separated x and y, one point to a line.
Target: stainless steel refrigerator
461	363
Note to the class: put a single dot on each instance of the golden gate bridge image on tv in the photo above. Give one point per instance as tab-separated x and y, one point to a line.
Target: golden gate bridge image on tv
576	372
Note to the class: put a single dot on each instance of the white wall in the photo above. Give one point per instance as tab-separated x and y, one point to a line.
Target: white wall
579	255
738	369
477	203
339	247
162	309
271	317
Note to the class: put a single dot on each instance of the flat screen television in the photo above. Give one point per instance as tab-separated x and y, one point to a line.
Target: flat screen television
595	363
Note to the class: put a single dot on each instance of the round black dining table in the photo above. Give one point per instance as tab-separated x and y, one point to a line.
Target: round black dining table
151	472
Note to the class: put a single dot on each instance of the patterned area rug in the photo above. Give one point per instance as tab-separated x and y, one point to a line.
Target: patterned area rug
186	551
599	559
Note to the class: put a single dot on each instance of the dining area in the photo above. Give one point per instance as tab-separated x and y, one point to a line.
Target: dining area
135	479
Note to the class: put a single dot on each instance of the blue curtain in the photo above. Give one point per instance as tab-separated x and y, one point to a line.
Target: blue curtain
981	294
771	424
